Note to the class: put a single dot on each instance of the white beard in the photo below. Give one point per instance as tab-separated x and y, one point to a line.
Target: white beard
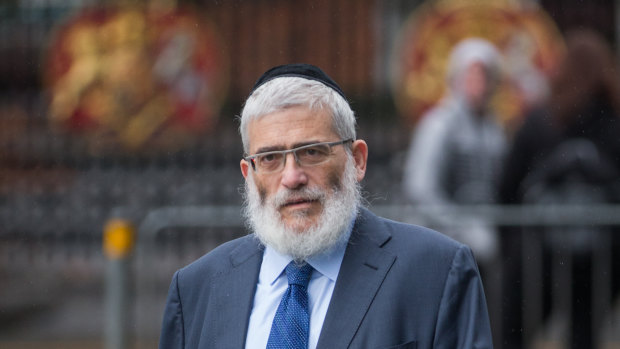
340	207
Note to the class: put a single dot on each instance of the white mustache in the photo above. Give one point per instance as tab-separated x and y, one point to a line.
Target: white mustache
287	196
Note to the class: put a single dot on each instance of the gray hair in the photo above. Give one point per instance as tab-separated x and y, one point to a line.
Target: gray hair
287	92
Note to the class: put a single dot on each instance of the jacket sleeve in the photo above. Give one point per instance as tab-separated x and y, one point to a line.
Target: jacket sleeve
463	320
172	331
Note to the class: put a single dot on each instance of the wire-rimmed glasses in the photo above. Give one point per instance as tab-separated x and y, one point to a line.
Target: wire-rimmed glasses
305	156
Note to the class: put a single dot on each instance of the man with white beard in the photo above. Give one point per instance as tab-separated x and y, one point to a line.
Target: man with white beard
318	270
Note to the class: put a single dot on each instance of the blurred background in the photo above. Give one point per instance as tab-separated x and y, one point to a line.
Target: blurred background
119	151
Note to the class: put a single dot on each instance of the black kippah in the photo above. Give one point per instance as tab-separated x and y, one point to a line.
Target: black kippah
300	70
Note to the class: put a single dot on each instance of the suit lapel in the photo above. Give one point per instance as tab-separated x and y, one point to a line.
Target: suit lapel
362	272
232	296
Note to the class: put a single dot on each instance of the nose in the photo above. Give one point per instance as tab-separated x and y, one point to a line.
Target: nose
293	175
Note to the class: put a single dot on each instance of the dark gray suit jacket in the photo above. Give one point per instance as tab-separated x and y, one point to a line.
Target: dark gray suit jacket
399	286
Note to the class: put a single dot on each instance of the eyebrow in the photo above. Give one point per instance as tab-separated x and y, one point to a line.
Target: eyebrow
281	147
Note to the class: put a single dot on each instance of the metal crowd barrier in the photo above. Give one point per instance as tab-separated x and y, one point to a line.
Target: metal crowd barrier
501	215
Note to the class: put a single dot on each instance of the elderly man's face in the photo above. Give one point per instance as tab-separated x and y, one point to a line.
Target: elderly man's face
292	128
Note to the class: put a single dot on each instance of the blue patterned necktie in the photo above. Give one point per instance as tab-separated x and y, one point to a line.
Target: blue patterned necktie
291	325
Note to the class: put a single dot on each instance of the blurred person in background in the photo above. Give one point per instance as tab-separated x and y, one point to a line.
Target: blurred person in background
566	153
457	148
319	270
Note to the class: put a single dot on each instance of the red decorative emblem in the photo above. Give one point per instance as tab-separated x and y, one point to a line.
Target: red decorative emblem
135	79
529	41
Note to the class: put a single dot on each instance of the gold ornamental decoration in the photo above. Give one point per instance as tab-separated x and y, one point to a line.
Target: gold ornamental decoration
529	41
135	79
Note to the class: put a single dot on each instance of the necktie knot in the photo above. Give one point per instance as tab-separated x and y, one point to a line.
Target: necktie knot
298	274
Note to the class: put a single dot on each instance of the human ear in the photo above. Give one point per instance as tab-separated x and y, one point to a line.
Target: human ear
359	148
245	168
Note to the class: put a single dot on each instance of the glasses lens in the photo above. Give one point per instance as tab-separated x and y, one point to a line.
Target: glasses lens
269	162
313	154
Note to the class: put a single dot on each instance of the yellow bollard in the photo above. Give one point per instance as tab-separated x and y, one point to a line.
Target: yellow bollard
119	236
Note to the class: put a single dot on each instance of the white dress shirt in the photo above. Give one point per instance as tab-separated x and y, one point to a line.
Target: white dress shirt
272	283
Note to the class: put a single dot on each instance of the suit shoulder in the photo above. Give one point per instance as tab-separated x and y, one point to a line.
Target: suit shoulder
420	248
417	233
414	238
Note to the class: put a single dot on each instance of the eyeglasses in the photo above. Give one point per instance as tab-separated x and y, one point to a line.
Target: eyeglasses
306	155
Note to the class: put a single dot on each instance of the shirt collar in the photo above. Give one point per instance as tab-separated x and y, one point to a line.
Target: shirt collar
328	263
